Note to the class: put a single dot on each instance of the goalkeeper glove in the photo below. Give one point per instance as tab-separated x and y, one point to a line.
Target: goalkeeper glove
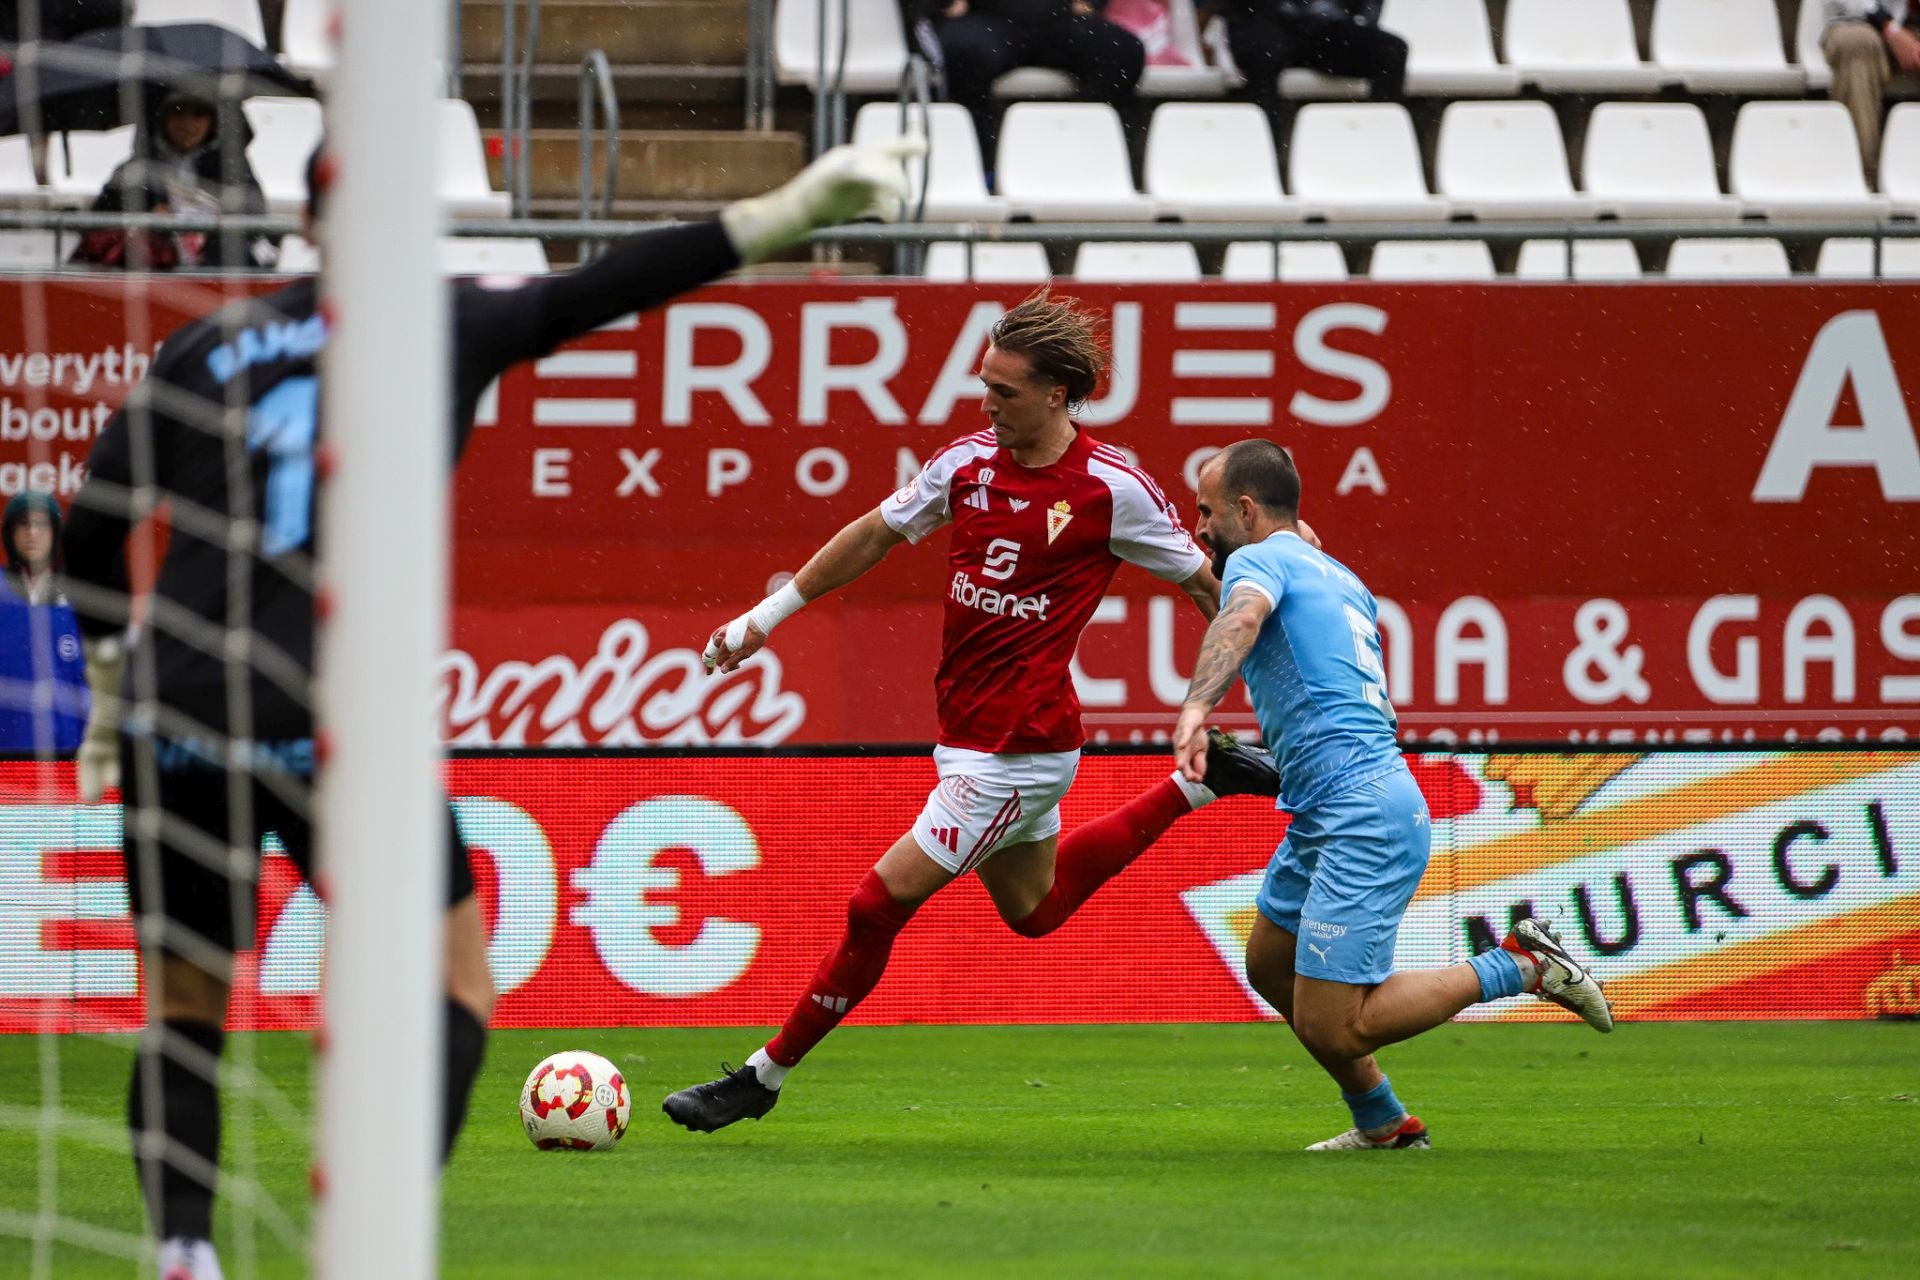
847	182
99	755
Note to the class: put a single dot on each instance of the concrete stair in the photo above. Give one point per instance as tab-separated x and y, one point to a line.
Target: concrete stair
679	76
708	33
679	170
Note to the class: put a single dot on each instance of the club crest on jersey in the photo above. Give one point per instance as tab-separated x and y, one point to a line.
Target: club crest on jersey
1057	519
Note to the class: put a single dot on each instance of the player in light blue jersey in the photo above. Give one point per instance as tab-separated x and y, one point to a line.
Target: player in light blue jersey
1301	629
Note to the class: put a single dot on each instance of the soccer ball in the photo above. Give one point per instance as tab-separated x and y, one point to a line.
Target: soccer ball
575	1101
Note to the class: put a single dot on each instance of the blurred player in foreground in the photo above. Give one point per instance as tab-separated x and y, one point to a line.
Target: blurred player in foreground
224	429
1301	630
1042	515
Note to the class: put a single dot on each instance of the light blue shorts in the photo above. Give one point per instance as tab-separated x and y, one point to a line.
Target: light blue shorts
1344	875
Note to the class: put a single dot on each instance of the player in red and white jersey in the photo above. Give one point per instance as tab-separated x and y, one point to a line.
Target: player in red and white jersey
1032	551
1043	515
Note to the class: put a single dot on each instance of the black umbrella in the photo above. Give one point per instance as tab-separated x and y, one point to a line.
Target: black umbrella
107	78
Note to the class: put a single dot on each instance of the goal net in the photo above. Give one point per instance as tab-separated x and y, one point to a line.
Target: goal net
129	207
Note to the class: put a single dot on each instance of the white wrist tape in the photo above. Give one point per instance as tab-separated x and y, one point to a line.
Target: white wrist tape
766	615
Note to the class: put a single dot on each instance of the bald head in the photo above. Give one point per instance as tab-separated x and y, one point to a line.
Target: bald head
1261	470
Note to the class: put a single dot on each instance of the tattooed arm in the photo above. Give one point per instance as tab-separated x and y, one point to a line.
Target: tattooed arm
1228	641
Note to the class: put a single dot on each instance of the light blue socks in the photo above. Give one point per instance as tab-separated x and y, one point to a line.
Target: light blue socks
1374	1109
1499	974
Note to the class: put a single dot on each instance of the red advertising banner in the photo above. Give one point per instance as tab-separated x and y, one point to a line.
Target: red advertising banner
1649	513
681	891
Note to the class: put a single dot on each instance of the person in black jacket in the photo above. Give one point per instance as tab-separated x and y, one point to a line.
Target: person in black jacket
1336	37
978	41
225	429
189	156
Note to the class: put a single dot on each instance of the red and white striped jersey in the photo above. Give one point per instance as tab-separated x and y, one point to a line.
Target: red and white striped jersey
1032	552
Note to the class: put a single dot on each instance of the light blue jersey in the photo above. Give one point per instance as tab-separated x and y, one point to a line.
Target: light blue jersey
1315	675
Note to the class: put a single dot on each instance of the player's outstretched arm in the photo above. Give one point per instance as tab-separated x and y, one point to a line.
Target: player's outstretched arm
1204	590
849	553
499	328
1229	639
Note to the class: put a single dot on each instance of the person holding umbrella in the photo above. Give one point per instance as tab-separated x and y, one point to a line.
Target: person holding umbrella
185	160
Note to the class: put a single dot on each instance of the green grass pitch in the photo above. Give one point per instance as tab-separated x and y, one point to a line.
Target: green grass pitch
1731	1150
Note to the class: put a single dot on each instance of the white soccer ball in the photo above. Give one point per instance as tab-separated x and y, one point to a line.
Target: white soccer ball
575	1101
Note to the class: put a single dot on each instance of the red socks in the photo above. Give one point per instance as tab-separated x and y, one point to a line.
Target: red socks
1089	856
1095	852
849	973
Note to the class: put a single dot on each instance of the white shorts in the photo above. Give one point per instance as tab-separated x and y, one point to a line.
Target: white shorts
986	802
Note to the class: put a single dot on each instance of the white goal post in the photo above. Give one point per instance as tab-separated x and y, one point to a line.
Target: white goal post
381	820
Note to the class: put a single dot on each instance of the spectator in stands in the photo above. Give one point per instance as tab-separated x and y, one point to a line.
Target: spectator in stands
1335	37
1866	42
43	693
974	42
189	157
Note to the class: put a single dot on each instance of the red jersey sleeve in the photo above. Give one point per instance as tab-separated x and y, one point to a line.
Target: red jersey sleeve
1146	528
917	509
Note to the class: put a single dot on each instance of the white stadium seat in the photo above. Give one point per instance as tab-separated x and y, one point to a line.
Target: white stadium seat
1506	160
956	187
1799	160
1295	82
242	16
1449	48
1215	160
1300	261
458	256
876	45
1067	160
1019	262
1359	161
1576	46
1026	83
1845	258
1316	86
1712	259
1431	260
303	37
79	163
299	256
1149	262
1592	260
465	189
1653	160
30	250
1723	46
1806	44
285	132
491	256
19	187
1900	259
1900	158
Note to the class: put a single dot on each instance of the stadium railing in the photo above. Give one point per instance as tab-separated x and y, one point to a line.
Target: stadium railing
66	222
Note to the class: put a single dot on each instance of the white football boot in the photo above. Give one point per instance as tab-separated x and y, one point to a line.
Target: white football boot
182	1259
1563	979
1410	1136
